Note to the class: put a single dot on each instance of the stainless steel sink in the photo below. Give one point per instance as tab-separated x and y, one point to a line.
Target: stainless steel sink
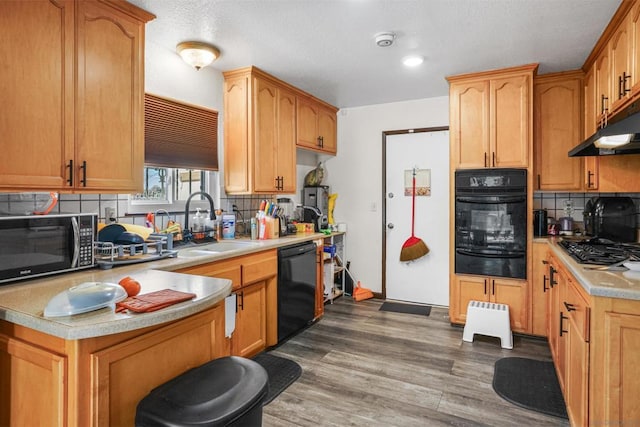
218	247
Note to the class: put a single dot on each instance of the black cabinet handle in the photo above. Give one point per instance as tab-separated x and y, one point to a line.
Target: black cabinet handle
322	142
589	175
562	317
493	287
603	104
241	300
545	262
485	159
318	143
620	90
544	283
538	181
70	167
552	273
485	286
493	155
624	79
569	307
84	173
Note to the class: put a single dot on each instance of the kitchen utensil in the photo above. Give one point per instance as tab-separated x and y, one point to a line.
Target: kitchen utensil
142	231
110	233
618	266
53	201
414	247
88	296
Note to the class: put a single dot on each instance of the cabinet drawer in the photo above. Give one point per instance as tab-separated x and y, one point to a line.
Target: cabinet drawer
228	269
577	309
259	267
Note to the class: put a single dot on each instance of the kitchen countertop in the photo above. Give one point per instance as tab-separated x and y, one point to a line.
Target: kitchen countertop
23	302
611	284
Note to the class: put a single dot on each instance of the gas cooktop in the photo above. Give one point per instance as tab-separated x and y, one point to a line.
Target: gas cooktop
600	251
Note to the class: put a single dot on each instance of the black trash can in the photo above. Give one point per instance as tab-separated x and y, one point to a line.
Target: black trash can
223	392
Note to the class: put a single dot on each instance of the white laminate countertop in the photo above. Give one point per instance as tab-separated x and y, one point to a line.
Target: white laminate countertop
23	302
611	284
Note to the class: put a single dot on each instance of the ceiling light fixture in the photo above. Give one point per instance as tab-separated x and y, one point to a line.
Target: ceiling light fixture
197	54
413	60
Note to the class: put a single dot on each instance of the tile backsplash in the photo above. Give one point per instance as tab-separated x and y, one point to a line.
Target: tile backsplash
554	203
26	203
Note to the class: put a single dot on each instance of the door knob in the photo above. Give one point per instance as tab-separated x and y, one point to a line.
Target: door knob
390	225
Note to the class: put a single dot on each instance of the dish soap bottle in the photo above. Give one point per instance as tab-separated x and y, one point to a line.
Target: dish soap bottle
197	221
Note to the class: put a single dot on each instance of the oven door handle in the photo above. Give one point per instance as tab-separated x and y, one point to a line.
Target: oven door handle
491	200
506	254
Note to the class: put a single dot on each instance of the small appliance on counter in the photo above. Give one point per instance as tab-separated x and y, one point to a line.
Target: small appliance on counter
566	222
612	218
540	222
316	197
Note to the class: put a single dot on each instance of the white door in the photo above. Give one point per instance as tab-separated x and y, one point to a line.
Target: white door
426	279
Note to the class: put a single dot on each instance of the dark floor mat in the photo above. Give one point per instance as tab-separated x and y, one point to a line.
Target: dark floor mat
531	384
282	373
399	307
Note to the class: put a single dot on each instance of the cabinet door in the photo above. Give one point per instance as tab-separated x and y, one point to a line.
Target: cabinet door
603	98
327	129
236	138
38	120
109	99
558	122
510	121
250	336
33	385
463	290
514	294
265	135
620	51
469	116
577	374
539	289
590	126
124	373
307	123
618	366
286	143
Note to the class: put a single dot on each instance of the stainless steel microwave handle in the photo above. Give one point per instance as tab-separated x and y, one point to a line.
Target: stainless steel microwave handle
76	241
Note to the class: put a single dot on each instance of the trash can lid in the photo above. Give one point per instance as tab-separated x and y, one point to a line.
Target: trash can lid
212	394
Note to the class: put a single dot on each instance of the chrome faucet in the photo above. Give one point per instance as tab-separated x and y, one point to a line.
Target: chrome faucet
212	213
155	218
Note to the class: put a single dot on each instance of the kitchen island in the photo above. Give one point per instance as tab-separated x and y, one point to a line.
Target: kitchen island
93	368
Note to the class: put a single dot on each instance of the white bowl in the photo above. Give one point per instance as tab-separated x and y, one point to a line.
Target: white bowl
632	265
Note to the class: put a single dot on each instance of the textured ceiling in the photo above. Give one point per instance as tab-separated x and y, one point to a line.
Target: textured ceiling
327	47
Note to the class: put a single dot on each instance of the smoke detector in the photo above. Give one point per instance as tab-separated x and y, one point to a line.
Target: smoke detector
385	39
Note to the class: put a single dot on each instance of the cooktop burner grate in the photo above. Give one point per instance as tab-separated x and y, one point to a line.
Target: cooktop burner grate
600	251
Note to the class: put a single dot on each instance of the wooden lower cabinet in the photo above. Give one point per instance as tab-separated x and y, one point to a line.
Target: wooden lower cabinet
49	381
539	288
32	385
614	386
491	289
250	336
254	280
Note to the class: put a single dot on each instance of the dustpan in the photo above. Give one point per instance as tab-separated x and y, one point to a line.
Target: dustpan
360	293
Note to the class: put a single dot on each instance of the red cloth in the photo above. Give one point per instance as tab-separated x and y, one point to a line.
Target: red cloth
153	301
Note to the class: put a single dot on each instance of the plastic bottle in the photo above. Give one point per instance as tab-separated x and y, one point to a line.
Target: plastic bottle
197	221
228	226
254	228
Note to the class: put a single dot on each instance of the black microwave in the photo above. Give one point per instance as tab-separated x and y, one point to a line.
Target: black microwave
39	245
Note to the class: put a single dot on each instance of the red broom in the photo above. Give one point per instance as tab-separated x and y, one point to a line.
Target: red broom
414	247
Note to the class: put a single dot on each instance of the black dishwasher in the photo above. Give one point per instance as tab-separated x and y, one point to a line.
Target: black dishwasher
296	288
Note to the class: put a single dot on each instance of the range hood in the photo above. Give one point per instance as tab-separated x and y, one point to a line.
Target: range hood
620	136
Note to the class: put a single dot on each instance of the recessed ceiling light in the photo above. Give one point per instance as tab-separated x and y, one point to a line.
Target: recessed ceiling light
412	60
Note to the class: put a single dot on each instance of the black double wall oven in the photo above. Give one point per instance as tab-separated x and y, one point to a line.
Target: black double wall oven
491	222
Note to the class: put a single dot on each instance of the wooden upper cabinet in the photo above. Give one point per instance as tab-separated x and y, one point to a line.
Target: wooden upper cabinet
259	133
316	126
491	118
603	87
558	128
590	176
510	121
620	49
109	106
469	115
76	121
37	130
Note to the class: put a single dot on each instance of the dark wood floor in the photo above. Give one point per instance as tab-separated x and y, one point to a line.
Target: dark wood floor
364	367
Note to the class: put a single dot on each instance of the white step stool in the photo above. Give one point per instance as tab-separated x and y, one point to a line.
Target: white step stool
486	318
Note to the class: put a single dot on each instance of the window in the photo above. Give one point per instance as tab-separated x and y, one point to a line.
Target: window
168	185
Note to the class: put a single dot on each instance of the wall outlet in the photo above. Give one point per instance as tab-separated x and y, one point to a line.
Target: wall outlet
109	215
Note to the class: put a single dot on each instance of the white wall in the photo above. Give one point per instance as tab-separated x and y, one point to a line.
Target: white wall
356	174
